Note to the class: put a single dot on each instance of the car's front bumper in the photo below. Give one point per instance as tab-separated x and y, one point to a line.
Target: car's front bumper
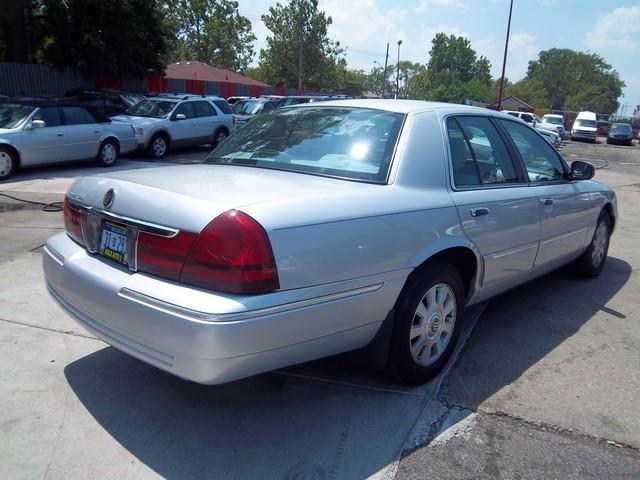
584	134
209	337
622	140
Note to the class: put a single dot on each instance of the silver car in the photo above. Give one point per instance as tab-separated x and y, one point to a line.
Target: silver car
166	122
321	228
41	132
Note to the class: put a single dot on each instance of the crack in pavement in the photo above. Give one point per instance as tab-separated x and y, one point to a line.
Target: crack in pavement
49	329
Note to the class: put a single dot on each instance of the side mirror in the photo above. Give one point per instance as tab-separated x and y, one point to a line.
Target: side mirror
37	124
180	116
582	171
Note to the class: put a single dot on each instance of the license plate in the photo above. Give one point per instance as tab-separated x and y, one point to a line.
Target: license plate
113	243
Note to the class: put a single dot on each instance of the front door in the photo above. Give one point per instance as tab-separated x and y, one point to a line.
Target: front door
48	144
566	210
499	212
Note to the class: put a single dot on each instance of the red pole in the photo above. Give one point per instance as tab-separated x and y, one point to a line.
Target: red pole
504	60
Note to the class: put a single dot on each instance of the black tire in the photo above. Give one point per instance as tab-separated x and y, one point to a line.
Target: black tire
108	153
8	163
219	136
590	264
158	146
402	364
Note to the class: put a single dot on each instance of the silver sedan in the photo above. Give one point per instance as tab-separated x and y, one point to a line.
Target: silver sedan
43	132
318	228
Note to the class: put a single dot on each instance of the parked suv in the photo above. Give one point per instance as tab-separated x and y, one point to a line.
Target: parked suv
246	109
165	122
109	102
552	121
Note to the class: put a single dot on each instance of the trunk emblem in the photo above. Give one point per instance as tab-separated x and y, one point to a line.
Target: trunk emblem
107	201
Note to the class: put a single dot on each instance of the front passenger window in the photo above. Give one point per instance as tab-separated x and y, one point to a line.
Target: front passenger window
540	159
186	109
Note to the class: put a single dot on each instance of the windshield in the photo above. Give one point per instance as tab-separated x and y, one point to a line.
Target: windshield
621	127
151	108
132	98
11	115
554	120
586	123
248	108
352	143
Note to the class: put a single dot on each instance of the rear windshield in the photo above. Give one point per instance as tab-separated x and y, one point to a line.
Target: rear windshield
248	107
586	123
11	115
351	143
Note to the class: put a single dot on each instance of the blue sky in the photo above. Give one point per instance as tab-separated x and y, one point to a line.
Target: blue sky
608	27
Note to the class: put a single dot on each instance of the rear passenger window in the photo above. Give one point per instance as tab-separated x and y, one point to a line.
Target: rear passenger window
478	155
540	159
77	116
223	106
203	109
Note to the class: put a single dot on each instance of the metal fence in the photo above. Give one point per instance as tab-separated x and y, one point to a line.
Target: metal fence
35	79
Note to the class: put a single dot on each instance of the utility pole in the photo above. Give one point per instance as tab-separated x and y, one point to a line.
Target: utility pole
504	60
384	77
398	71
300	24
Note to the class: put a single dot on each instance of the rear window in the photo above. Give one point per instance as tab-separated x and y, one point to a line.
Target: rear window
351	143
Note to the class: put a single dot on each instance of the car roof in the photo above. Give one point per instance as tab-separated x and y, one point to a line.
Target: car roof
36	102
555	115
400	106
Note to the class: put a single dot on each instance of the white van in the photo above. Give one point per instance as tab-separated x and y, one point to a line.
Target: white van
585	127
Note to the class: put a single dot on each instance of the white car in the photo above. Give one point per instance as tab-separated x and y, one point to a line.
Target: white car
555	122
165	122
550	135
41	132
585	127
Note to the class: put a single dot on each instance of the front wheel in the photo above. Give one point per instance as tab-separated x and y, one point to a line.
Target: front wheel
592	261
158	146
427	324
8	163
108	153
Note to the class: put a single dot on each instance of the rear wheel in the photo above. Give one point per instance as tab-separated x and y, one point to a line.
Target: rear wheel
108	153
219	137
8	163
427	324
592	261
158	146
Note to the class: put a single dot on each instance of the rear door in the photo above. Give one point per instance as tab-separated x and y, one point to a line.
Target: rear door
207	121
48	144
567	210
83	132
498	210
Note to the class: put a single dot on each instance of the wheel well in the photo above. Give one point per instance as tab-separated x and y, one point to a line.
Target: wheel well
463	259
115	139
222	129
14	151
609	209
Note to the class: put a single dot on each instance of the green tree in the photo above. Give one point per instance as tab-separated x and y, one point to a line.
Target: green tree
577	80
20	31
98	37
296	23
531	90
454	73
211	31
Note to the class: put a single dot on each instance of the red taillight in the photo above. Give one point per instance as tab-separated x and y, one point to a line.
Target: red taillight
232	254
72	221
163	256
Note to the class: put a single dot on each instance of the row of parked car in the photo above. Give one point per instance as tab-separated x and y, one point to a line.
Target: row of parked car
86	124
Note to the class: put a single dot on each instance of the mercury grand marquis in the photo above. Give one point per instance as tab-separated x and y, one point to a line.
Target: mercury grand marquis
318	229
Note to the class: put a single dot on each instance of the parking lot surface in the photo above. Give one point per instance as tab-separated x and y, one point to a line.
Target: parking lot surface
545	383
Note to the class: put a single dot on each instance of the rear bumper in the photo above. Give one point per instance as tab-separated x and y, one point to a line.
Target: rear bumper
209	337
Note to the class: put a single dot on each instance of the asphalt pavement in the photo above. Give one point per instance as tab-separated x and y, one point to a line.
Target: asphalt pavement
545	383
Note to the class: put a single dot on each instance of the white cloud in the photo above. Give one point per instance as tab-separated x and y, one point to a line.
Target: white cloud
618	29
424	5
522	48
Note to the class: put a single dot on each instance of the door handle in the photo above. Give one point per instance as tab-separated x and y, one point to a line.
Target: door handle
59	134
545	202
479	212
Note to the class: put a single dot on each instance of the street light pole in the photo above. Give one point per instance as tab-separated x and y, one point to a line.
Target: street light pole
504	60
384	75
398	71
